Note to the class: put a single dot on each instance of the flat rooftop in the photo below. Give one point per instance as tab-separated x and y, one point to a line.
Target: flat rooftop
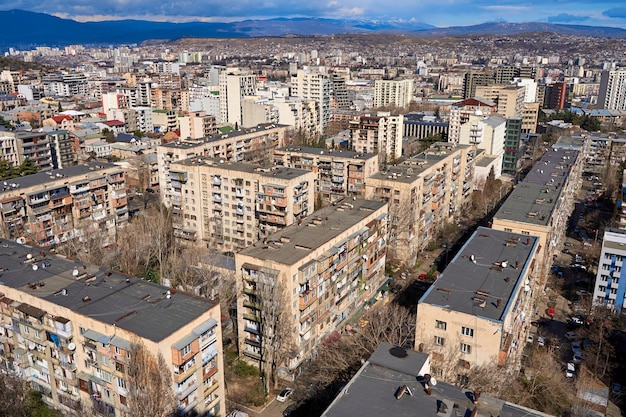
70	174
371	392
221	136
487	269
295	242
340	153
534	199
130	303
410	169
270	171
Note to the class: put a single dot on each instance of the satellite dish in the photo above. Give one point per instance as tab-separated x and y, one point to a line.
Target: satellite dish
21	240
75	272
29	256
35	267
71	346
526	288
433	381
31	346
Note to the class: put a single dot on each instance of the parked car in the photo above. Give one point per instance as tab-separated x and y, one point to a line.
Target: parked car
576	348
284	394
577	359
531	338
541	341
237	413
568	243
583	293
570	370
571	336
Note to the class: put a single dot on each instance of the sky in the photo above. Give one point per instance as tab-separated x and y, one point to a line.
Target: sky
440	13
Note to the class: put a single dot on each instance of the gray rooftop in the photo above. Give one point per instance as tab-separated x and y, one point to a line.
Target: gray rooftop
130	303
295	242
327	152
269	171
371	392
465	282
55	175
534	199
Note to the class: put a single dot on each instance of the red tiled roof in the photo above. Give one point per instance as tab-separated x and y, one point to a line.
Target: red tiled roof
114	123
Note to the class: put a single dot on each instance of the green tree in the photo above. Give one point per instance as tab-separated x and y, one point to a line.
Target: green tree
59	108
27	167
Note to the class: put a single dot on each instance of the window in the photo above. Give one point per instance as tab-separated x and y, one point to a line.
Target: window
120	383
465	348
186	350
439	341
466	331
440	324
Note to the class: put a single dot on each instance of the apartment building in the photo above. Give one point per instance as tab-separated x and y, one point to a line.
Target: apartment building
230	205
509	99
253	145
610	285
613	90
164	120
530	114
17	146
313	85
321	271
65	85
233	87
339	173
424	193
72	330
541	204
620	217
48	208
512	146
380	134
478	311
398	93
197	125
61	145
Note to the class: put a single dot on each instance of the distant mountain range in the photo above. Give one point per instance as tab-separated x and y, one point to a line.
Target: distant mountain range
23	29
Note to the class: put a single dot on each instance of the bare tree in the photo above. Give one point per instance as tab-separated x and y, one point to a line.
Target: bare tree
12	395
150	384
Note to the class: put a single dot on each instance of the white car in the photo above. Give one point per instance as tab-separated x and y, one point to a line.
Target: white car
284	394
570	371
541	341
531	338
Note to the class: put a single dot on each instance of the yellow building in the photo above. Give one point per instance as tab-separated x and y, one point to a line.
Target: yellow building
509	99
541	204
229	205
478	311
49	208
424	193
319	271
69	330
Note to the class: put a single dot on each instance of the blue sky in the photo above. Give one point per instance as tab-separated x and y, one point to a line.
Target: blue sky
440	13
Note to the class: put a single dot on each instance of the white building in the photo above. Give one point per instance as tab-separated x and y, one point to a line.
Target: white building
393	93
313	85
234	86
610	286
613	90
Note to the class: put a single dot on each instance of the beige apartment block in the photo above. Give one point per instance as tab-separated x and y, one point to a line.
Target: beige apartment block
197	125
230	205
16	147
509	99
251	145
424	193
70	330
339	173
478	311
46	209
397	93
530	113
320	271
380	134
541	204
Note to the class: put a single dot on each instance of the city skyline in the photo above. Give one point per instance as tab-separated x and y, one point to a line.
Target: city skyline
439	13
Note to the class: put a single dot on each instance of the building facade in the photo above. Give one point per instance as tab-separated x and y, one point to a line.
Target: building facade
46	209
610	285
613	90
72	331
228	205
380	134
398	93
320	271
338	173
478	311
424	193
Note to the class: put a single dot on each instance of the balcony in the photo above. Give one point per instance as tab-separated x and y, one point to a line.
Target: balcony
185	391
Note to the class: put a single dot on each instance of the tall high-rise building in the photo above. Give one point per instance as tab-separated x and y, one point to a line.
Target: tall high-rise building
397	93
313	85
610	287
613	90
234	86
380	134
